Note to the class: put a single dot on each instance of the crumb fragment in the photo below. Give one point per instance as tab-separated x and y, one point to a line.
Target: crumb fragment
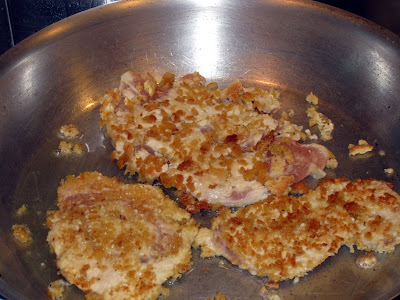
150	85
218	296
212	86
22	210
309	135
21	233
362	148
291	112
272	285
56	289
381	153
332	163
324	124
311	98
296	280
270	295
299	188
389	171
366	261
70	148
69	131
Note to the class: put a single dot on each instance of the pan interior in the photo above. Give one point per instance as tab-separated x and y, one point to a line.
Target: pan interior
57	77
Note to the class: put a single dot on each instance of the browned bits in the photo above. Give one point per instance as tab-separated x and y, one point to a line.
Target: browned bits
233	138
21	233
185	165
150	119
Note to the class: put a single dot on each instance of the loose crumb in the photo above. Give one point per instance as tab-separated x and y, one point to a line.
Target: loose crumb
56	289
272	285
296	280
324	124
22	210
381	153
291	112
70	148
332	163
389	171
366	261
206	270
311	98
218	296
270	295
309	135
22	233
69	131
362	148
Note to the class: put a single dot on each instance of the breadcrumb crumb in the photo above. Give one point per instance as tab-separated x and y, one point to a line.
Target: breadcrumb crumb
309	135
22	210
381	153
362	148
69	131
272	285
56	289
21	233
311	98
332	163
324	124
389	171
366	261
70	148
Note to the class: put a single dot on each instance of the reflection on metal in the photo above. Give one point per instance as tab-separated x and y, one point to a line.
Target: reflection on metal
207	46
89	105
206	3
382	70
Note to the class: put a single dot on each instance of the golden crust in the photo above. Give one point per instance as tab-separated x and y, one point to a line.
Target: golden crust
119	240
285	237
222	146
361	148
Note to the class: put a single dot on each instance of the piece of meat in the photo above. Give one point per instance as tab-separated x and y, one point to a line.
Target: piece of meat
308	159
120	241
222	146
286	237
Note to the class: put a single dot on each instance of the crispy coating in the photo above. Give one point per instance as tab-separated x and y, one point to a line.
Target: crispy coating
286	237
222	146
119	241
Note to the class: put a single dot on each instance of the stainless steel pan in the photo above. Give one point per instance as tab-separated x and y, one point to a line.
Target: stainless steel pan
56	76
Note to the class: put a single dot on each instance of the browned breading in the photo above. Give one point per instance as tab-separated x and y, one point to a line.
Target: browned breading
22	233
361	148
222	146
286	237
119	240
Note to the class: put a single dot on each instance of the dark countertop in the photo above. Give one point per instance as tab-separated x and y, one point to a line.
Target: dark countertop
21	18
